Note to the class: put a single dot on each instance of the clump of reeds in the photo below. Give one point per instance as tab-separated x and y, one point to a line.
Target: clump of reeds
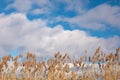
62	67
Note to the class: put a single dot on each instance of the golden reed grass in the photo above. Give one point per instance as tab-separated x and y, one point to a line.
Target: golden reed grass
100	66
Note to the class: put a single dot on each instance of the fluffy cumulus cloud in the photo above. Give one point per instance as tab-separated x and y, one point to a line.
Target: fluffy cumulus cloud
18	32
97	18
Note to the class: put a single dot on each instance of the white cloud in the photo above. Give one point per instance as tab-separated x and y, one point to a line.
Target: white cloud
21	6
47	6
16	32
98	17
31	6
74	5
37	11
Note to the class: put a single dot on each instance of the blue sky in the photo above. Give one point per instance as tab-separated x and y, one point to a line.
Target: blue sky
37	25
